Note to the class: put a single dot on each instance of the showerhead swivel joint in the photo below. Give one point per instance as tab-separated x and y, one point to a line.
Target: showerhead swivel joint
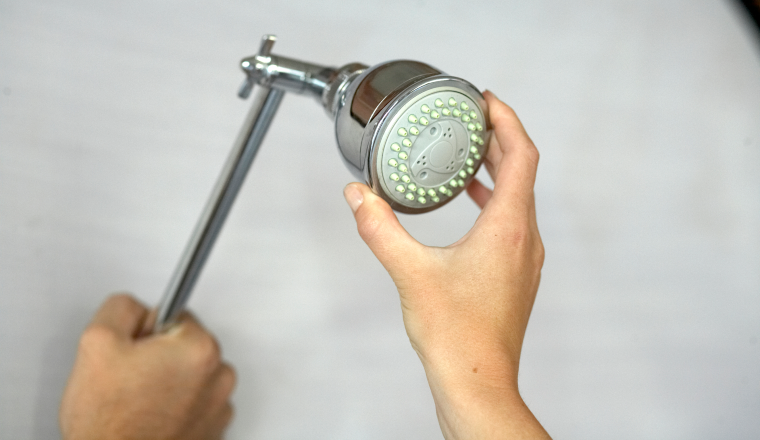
415	135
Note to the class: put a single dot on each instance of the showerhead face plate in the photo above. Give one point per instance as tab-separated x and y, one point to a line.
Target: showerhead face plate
416	135
430	145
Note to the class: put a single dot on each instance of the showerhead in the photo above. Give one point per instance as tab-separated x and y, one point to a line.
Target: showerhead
414	134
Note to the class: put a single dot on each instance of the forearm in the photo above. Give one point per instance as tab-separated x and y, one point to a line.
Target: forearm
478	398
484	419
466	306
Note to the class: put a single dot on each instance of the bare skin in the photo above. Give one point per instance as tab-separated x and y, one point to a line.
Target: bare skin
466	306
167	386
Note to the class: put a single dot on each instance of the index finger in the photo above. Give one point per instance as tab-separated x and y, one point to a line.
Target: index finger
516	171
123	314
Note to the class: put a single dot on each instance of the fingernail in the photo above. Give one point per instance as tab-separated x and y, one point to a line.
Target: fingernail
353	196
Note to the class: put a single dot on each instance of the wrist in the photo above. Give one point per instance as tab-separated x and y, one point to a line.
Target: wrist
477	397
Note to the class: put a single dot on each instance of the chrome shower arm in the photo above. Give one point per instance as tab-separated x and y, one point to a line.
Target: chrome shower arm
283	73
287	74
220	202
322	82
210	223
273	76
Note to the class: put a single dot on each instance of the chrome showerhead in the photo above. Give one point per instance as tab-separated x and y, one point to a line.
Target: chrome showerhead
415	135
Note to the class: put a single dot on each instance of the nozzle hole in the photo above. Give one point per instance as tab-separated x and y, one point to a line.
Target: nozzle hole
461	152
423	175
433	130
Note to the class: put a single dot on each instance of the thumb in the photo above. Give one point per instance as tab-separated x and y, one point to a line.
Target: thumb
380	229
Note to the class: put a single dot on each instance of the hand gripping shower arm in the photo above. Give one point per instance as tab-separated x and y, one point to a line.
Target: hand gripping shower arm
265	103
410	131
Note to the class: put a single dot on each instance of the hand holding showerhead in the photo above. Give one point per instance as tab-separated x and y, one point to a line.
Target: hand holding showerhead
415	135
466	306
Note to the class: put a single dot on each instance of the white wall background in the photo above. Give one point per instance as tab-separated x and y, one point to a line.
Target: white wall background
115	118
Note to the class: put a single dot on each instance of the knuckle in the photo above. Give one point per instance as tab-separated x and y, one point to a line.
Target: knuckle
499	108
206	353
533	154
121	300
228	413
540	254
123	303
367	224
502	113
96	336
227	380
